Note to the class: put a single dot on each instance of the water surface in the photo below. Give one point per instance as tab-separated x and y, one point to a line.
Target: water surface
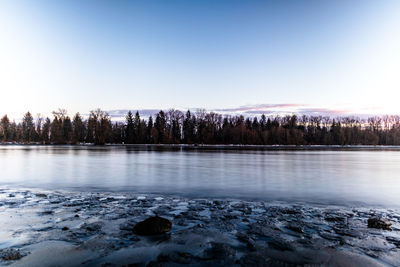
322	176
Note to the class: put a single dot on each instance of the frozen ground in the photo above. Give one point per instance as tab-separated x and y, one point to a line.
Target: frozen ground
96	229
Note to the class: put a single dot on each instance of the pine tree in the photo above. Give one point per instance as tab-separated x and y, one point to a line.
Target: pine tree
160	126
28	128
78	129
149	131
137	129
130	129
67	129
45	134
56	131
5	128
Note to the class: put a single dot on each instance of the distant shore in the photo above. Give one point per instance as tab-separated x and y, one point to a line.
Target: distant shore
221	147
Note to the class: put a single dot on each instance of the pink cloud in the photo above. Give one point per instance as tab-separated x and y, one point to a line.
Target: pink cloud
259	107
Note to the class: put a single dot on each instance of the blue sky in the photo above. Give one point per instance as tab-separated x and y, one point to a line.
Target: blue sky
313	55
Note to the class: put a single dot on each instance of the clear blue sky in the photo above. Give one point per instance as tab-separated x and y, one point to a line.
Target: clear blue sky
80	55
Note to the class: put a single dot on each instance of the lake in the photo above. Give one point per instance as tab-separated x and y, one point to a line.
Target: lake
317	176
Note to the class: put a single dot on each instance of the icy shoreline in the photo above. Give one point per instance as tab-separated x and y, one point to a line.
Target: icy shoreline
96	229
228	147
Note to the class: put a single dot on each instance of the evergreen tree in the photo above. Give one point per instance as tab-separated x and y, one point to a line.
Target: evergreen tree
5	131
45	134
117	133
137	129
130	129
91	127
67	129
56	131
160	126
60	127
13	132
189	128
28	128
149	131
78	129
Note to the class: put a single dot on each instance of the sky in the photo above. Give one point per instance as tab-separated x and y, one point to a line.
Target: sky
315	57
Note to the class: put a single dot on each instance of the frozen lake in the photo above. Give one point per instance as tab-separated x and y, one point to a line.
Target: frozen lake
320	176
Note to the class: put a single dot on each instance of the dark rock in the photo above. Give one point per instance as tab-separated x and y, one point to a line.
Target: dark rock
334	218
291	211
347	232
227	217
394	240
220	251
176	257
262	230
279	244
134	238
255	259
330	236
245	239
10	254
47	212
153	226
151	264
65	228
379	223
295	228
92	227
217	202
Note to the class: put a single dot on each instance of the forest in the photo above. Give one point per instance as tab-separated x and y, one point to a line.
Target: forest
200	127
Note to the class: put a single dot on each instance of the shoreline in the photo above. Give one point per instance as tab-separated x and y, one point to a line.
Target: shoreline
96	229
232	147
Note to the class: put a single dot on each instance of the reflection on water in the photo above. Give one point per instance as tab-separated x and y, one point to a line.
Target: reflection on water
320	176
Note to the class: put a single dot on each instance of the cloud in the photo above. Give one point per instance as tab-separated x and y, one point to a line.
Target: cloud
257	110
325	112
119	114
259	107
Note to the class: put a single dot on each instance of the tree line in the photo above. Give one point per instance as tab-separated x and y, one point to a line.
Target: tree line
200	127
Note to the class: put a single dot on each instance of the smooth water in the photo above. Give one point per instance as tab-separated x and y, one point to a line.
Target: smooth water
321	176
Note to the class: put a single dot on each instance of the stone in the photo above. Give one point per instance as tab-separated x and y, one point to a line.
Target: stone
153	226
280	244
245	239
47	212
379	223
290	211
176	257
295	228
220	251
335	218
10	254
255	259
394	240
